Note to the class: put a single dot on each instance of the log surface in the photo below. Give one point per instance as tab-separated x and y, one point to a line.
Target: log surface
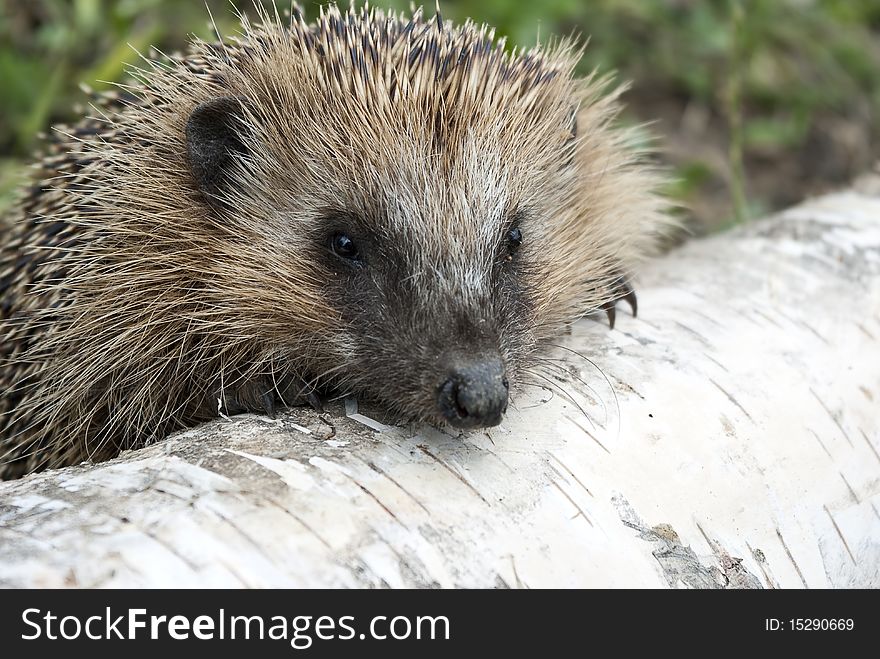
727	437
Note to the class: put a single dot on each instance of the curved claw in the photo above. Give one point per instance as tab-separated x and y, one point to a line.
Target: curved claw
315	402
624	291
300	389
633	303
267	400
611	311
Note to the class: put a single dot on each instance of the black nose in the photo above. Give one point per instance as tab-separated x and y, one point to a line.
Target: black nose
475	393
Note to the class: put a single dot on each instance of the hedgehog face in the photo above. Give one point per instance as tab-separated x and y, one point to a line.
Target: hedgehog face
430	261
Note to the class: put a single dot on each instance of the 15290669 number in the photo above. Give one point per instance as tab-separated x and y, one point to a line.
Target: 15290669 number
821	624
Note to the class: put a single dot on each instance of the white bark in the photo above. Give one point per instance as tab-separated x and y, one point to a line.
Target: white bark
735	442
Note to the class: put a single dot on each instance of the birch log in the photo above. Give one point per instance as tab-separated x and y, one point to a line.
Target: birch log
727	437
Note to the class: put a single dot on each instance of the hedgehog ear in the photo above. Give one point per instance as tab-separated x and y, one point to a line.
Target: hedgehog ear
213	138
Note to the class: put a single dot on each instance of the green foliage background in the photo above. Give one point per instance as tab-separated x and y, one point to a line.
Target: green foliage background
757	103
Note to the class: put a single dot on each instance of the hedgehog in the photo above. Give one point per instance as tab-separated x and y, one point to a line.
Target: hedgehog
374	203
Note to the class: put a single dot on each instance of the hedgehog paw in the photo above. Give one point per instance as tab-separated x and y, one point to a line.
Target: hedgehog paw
299	389
257	395
624	291
267	394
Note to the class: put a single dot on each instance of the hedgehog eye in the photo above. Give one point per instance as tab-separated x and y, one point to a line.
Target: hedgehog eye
344	247
514	240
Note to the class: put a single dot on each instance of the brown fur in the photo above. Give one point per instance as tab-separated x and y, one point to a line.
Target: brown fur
130	304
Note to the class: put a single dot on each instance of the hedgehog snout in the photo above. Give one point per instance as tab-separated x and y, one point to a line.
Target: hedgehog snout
474	393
